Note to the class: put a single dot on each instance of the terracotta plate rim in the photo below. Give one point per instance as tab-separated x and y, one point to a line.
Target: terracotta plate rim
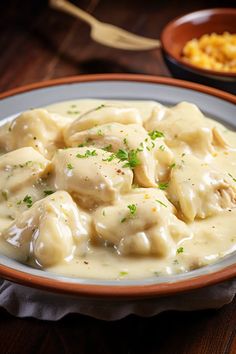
119	291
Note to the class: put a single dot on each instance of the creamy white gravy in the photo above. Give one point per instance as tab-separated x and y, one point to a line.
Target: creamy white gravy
181	207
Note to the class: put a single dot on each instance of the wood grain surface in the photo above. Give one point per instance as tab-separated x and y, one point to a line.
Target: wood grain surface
37	44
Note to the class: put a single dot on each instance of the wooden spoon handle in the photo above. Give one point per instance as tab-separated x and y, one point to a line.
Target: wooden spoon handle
67	7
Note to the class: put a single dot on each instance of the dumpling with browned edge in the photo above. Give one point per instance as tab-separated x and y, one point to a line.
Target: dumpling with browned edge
52	230
92	176
199	190
141	223
185	126
36	128
153	157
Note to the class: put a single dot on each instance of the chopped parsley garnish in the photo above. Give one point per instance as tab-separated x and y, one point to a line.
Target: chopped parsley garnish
173	165
130	157
163	186
5	195
162	147
110	158
100	133
88	153
233	178
122	274
125	141
99	107
103	213
157	274
48	192
133	159
81	145
107	148
69	166
28	201
122	155
154	134
72	112
27	163
160	202
132	208
180	250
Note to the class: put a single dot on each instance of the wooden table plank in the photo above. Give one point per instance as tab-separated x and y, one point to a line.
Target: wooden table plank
38	44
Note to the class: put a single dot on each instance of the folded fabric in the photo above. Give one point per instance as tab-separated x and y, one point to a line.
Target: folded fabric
22	301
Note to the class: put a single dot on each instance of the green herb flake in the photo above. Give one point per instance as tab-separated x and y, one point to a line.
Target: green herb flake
48	192
125	141
27	200
173	165
72	112
69	166
5	195
157	274
87	154
133	159
123	220
180	250
162	148
233	178
100	133
104	213
132	208
107	148
122	155
163	186
110	158
99	107
154	134
161	203
123	274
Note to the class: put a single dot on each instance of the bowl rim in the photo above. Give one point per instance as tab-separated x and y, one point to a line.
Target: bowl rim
188	16
119	291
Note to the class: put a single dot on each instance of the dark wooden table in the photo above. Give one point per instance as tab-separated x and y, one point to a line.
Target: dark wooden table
39	44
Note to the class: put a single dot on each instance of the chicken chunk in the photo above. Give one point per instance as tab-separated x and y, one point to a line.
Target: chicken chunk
141	223
184	125
153	155
92	176
199	190
36	128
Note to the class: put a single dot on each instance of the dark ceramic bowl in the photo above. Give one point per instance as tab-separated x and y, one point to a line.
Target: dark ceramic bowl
194	25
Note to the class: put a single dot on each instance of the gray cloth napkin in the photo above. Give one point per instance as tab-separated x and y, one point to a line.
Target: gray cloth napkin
23	301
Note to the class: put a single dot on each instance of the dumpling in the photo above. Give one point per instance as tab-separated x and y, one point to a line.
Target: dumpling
21	168
184	125
36	128
52	230
141	223
92	176
101	115
154	157
199	190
